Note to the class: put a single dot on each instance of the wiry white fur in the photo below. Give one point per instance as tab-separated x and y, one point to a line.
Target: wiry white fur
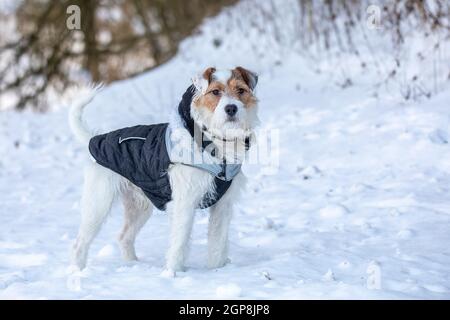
219	222
187	192
100	188
188	184
200	83
76	123
222	75
138	210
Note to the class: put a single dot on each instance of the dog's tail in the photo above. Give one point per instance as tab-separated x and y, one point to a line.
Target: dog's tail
77	125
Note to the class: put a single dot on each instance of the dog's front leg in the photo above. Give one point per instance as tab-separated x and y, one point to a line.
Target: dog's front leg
189	185
181	217
219	221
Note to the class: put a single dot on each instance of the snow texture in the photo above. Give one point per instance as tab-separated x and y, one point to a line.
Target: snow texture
358	208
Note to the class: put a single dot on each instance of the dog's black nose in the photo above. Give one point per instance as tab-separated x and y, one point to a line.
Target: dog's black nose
231	109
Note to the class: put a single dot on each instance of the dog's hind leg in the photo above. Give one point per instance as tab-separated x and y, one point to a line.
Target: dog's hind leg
100	188
138	210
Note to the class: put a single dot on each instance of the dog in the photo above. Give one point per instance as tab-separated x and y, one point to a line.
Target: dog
217	117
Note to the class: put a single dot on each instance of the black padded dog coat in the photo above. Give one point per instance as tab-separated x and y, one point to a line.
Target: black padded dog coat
140	155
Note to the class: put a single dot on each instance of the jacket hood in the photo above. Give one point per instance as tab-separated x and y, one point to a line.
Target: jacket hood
184	109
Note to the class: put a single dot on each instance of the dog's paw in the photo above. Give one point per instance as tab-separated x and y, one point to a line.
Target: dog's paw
168	273
75	276
72	269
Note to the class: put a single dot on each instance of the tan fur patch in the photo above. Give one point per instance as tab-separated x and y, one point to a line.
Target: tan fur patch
245	75
247	97
209	100
208	74
237	81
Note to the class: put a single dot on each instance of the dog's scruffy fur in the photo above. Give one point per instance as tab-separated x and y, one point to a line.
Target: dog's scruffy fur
214	91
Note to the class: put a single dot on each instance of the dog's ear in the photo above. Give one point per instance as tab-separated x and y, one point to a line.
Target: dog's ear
208	74
249	77
201	81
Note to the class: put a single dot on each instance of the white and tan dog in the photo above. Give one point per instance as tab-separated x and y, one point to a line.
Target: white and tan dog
225	107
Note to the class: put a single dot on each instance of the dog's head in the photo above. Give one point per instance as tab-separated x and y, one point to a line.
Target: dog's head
225	102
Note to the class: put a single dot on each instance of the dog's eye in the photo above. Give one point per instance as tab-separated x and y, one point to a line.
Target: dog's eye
240	90
215	92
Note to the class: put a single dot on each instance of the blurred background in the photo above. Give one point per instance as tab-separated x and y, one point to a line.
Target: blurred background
356	203
42	56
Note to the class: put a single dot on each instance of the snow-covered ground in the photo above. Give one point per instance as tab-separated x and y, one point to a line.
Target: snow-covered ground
358	208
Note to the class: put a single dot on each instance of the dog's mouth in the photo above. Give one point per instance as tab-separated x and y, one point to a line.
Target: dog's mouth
232	123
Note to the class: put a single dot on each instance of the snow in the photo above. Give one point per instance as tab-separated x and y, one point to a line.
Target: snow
357	208
228	291
333	211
